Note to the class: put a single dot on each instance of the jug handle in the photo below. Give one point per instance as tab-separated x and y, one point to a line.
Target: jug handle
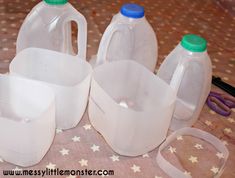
178	74
106	39
82	31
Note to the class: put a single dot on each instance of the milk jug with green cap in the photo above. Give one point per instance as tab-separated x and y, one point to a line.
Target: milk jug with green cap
188	69
48	26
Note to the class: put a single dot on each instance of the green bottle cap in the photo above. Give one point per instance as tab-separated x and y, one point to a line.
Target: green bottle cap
194	43
56	2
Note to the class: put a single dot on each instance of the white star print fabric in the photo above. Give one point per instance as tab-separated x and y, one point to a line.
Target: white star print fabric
83	147
183	162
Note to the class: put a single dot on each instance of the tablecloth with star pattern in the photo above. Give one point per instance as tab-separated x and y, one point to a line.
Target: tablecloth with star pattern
82	147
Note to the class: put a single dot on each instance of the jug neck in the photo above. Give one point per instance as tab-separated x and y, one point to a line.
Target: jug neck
123	19
189	54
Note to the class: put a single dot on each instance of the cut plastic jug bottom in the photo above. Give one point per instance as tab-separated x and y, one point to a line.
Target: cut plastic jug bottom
9	114
128	103
92	61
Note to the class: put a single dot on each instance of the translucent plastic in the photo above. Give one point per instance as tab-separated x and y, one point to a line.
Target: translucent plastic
194	71
129	38
49	27
27	120
130	106
173	171
67	75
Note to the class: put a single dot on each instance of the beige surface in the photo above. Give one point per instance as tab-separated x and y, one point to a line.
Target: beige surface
170	19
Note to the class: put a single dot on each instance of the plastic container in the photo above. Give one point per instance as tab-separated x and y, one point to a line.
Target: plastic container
67	75
129	36
27	120
173	171
130	106
48	26
190	63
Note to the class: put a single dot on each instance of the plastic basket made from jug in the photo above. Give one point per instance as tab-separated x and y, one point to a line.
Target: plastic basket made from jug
130	107
69	77
27	120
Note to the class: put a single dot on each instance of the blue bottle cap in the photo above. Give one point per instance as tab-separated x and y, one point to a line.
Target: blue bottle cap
132	10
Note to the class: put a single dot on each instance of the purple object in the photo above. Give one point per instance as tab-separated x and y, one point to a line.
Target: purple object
220	103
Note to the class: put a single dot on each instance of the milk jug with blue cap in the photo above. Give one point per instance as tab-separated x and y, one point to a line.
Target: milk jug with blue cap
188	70
129	36
48	26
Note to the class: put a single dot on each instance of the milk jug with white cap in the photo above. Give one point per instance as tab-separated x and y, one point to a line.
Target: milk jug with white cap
189	63
130	36
48	26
